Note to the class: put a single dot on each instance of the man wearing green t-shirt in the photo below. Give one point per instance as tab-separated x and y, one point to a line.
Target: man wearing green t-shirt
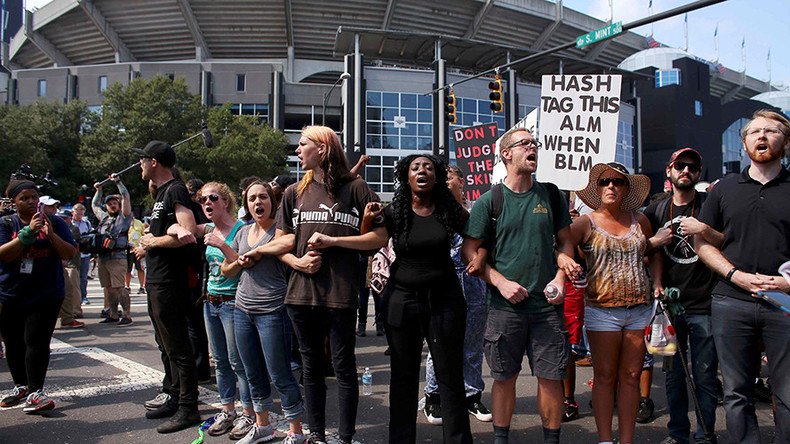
521	264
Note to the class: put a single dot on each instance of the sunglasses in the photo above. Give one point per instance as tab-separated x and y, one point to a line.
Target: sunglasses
616	181
211	197
680	166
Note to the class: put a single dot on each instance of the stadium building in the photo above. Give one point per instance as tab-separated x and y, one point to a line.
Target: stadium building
281	60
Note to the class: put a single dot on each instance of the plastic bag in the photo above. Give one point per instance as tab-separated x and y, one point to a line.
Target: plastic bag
660	336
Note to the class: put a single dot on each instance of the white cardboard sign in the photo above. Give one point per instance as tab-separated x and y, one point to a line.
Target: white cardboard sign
577	126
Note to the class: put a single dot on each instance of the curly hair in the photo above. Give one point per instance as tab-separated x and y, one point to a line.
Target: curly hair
447	210
333	161
224	192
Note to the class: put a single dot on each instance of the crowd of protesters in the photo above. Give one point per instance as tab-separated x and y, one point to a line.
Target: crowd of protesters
520	273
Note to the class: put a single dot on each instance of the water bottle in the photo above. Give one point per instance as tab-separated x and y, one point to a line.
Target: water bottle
367	382
551	291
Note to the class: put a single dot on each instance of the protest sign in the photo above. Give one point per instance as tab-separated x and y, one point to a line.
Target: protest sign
474	153
578	126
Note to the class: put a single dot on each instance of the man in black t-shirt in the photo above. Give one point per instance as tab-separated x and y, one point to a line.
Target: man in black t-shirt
673	219
753	212
168	287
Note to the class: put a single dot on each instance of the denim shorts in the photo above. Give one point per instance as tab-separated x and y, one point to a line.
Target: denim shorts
617	318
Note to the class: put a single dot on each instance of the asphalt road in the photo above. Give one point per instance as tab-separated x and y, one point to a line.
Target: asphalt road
101	375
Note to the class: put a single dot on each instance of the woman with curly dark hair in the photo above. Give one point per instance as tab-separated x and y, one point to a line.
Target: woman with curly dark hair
423	297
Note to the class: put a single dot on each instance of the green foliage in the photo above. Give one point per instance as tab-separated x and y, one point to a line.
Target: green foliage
46	136
242	147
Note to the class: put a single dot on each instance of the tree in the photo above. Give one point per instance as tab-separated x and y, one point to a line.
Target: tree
242	147
46	136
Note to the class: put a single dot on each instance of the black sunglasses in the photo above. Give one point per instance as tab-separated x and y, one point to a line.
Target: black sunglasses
211	197
680	166
616	181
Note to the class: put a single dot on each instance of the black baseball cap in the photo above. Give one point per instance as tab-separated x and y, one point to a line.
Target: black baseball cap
161	151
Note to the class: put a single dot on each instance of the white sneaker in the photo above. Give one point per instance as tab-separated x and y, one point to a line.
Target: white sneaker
241	426
258	434
223	422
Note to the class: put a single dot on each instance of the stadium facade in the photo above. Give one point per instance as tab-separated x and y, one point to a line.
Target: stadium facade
279	59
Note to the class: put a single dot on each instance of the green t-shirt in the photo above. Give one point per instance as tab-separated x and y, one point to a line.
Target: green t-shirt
218	284
524	243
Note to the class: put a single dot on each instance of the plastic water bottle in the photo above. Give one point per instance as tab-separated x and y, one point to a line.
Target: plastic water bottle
367	382
551	291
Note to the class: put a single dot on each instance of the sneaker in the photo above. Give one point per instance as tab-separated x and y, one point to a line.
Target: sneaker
105	313
125	322
166	410
73	324
184	418
584	362
14	397
37	402
109	320
645	412
762	392
86	302
157	402
433	409
478	410
294	438
669	440
361	331
315	438
258	434
223	422
241	426
571	410
129	289
141	290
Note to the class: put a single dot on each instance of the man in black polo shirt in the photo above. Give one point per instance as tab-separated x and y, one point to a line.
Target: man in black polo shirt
674	220
752	209
167	286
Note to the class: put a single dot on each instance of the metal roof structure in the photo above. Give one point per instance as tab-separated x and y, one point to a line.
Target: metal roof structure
89	32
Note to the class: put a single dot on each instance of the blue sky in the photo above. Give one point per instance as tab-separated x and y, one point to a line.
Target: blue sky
762	23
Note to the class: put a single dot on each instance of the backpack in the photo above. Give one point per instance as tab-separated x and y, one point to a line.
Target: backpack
498	201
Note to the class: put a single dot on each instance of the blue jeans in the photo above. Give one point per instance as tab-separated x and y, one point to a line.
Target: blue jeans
695	332
476	311
737	328
222	340
264	342
85	269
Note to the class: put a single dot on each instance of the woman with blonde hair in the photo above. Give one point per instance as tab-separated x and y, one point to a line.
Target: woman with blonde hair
322	292
618	295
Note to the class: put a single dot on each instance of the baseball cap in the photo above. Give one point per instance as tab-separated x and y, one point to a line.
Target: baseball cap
65	214
48	200
161	151
111	197
691	152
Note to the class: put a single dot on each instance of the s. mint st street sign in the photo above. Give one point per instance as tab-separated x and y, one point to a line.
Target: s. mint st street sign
599	34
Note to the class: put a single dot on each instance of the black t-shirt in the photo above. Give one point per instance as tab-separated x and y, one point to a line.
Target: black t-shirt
682	267
168	265
423	259
755	220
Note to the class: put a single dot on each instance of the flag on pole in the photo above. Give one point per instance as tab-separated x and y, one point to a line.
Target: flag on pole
716	40
686	30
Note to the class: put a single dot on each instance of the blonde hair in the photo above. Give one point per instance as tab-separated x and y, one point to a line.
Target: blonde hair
333	161
224	192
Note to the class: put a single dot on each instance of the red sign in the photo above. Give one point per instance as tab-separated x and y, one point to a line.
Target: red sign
475	147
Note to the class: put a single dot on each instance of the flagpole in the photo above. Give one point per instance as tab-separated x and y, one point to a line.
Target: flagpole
768	62
743	53
650	13
686	29
716	41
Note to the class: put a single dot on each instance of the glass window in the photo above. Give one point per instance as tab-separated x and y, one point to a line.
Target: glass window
666	77
102	83
733	160
42	88
624	152
241	82
697	108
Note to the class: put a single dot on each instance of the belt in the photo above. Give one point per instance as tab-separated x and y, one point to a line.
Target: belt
217	299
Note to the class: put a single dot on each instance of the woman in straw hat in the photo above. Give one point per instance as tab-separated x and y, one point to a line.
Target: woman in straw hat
614	239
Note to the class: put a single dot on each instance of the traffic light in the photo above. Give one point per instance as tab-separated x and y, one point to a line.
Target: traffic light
496	95
450	108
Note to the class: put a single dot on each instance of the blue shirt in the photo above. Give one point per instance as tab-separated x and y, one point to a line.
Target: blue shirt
217	283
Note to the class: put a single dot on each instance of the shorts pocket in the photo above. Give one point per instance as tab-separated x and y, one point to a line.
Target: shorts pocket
492	343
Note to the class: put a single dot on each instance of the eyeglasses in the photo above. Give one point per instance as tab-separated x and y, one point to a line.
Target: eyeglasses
526	143
768	130
616	181
680	166
211	197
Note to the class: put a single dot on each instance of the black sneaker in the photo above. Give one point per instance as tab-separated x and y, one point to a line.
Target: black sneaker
478	410
762	392
125	322
166	410
645	412
105	313
184	418
433	409
571	410
15	396
361	331
109	320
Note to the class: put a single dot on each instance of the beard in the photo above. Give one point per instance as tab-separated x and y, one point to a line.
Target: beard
682	186
768	156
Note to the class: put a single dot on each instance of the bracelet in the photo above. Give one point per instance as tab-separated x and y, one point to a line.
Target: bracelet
729	275
26	236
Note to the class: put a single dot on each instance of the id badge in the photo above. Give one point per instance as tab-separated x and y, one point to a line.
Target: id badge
27	266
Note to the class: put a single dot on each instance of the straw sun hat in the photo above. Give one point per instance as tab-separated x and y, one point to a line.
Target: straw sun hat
638	187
